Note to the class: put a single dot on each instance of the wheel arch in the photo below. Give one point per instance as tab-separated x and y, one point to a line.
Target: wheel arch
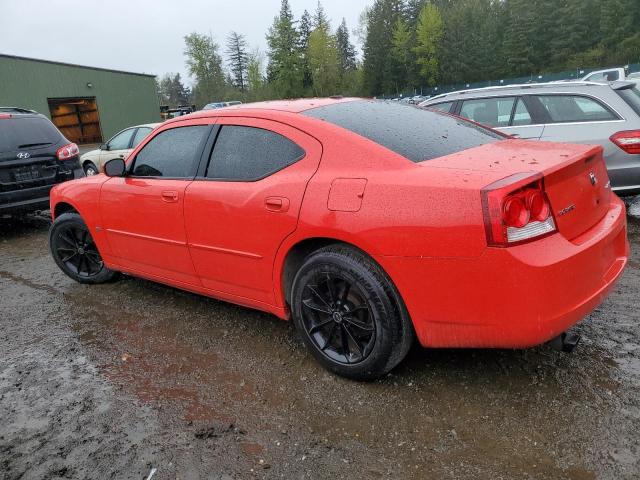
63	207
292	257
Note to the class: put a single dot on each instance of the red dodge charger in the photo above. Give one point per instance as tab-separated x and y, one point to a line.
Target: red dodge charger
368	223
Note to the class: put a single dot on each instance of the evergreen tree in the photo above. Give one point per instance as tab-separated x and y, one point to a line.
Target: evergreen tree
324	63
304	30
401	53
237	57
346	51
428	38
205	65
378	68
518	44
285	69
320	19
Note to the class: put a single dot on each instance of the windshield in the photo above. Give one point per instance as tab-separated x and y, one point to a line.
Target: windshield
413	132
19	132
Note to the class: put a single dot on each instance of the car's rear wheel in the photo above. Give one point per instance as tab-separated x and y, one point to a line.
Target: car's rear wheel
90	169
75	252
347	312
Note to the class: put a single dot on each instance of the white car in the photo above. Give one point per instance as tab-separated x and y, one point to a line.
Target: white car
119	146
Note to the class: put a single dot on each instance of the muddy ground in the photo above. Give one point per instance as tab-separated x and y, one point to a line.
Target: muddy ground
116	380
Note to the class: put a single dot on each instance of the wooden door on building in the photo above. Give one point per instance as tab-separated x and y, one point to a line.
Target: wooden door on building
77	118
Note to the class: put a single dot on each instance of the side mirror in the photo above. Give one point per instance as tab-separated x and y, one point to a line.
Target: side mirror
104	146
115	168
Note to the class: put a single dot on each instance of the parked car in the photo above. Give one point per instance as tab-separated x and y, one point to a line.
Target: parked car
120	145
216	105
607	114
363	232
34	156
606	75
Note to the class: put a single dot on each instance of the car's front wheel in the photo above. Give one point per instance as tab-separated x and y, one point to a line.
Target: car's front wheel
347	312
90	169
75	252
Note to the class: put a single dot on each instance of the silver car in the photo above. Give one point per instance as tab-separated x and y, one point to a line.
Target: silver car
120	145
577	112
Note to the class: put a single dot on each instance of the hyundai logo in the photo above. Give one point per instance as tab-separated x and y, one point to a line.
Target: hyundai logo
594	180
24	155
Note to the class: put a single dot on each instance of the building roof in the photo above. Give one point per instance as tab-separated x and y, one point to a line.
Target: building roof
3	55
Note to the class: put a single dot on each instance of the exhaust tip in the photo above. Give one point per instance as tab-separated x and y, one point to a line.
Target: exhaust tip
565	342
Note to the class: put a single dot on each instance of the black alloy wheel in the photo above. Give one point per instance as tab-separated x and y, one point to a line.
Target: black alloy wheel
337	318
75	252
349	314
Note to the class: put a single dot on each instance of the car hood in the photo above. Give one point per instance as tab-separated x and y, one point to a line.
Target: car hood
90	154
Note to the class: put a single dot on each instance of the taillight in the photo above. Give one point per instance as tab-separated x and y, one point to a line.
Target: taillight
629	140
516	209
68	151
5	115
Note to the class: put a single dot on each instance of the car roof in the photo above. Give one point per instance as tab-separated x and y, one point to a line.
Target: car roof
290	106
523	86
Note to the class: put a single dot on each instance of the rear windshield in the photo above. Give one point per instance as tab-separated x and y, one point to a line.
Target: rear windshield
413	132
26	132
632	97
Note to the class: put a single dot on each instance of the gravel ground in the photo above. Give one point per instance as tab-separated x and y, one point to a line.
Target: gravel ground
117	380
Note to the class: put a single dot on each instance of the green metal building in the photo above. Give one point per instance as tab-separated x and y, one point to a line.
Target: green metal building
87	104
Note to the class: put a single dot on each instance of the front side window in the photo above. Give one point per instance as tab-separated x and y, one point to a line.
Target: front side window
122	140
172	153
140	135
441	107
575	108
494	112
249	154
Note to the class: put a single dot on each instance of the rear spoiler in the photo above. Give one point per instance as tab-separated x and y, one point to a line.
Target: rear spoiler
623	85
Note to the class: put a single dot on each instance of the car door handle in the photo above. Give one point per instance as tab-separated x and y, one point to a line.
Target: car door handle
170	196
276	204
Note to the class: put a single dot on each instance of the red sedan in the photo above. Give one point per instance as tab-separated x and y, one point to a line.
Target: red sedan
368	223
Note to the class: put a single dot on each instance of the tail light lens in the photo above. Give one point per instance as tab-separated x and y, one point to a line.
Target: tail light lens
5	115
629	141
516	209
68	151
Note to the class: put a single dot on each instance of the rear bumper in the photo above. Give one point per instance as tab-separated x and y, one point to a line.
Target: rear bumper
513	297
34	198
28	199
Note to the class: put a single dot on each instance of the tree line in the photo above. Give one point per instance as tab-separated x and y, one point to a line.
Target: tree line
406	45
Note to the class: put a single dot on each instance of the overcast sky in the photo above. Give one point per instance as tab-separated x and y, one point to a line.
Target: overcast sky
142	35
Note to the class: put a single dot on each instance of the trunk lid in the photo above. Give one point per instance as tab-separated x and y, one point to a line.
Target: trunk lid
575	176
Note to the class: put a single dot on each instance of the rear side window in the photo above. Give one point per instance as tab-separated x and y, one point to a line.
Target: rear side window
494	112
248	154
27	132
415	133
575	108
441	107
632	97
173	153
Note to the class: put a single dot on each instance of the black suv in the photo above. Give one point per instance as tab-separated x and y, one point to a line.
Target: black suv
34	156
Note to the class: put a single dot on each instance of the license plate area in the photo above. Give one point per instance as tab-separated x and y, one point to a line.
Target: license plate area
30	173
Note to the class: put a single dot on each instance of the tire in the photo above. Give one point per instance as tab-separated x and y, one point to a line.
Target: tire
90	169
75	252
349	314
